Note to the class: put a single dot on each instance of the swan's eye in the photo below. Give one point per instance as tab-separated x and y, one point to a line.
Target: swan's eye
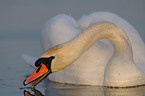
37	63
52	57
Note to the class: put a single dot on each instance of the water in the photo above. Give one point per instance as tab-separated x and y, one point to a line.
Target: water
20	24
57	89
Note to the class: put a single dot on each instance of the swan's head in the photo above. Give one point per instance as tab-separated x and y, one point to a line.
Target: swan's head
54	59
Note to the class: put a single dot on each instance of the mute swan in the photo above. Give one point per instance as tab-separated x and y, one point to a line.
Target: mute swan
87	62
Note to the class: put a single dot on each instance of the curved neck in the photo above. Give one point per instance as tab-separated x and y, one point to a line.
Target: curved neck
100	31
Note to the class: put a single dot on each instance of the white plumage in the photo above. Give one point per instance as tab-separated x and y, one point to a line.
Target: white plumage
90	68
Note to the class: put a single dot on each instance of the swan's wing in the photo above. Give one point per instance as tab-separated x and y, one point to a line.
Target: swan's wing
60	29
29	59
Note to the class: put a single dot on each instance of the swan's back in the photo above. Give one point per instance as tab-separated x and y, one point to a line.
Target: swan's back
90	67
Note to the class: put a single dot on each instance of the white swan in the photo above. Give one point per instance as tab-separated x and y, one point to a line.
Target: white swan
99	64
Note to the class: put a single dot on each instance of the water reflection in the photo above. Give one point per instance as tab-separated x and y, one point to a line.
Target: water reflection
36	93
57	89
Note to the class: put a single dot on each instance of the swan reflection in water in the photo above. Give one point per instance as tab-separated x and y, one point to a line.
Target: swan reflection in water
36	92
58	89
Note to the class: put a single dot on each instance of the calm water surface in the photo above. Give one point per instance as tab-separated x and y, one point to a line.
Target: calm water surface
20	24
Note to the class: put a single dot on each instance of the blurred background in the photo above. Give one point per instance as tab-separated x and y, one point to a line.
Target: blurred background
21	22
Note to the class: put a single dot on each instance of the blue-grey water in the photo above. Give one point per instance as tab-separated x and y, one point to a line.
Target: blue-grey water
21	22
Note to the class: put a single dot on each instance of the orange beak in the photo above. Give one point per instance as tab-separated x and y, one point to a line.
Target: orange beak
38	75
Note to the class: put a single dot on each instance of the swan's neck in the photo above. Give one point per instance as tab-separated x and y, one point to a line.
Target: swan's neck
100	31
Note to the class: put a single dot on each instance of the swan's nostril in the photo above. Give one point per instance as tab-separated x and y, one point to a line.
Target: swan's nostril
38	69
